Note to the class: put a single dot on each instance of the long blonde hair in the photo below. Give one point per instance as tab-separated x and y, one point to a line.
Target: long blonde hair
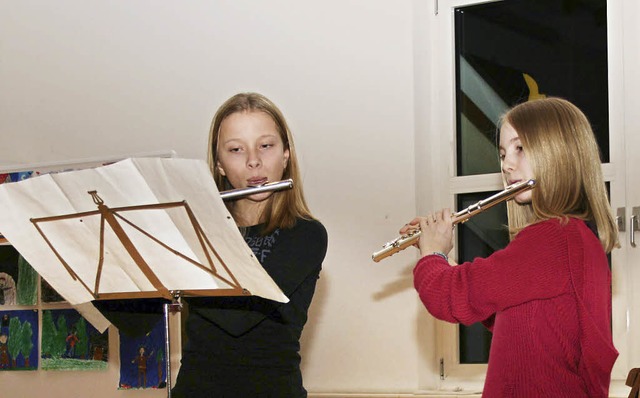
561	148
284	207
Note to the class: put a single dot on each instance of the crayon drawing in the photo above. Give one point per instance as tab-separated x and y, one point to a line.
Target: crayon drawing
69	342
19	340
18	280
143	359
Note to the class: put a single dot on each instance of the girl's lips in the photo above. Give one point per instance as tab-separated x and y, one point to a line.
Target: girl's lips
254	182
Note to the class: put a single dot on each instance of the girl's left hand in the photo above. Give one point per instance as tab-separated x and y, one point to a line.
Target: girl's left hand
437	232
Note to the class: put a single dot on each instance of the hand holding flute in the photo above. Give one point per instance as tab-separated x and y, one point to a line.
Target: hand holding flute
436	236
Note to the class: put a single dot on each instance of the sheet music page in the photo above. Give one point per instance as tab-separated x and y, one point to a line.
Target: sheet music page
131	182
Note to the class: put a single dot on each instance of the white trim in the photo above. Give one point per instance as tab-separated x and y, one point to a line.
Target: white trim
82	162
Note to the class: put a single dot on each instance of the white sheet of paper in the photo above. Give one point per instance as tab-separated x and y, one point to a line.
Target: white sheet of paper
131	182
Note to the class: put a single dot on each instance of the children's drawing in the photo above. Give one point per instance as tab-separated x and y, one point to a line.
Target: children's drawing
143	359
69	342
18	280
19	340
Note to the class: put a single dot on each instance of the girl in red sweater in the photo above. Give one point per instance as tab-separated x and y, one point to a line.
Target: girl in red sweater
546	296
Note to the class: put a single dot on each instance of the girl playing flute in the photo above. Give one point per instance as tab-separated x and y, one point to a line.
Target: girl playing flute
546	296
249	346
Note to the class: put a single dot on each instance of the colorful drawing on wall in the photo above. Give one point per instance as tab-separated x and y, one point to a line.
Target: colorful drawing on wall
143	360
19	340
49	294
69	342
18	280
15	177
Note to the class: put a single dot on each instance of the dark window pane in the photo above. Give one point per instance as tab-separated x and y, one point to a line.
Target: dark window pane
480	236
510	51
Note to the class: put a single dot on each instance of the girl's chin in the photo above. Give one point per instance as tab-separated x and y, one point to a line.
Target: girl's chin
523	199
260	197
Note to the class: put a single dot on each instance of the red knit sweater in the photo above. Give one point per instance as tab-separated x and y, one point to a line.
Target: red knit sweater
547	299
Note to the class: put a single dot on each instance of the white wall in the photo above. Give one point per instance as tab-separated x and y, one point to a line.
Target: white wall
95	78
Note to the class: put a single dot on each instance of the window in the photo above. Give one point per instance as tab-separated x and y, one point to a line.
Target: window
509	52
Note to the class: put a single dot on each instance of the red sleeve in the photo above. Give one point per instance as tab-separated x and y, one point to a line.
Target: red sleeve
533	266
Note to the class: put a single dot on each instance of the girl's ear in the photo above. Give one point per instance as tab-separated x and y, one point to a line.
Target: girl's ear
220	169
286	158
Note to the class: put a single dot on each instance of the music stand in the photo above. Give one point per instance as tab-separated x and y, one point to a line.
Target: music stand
132	250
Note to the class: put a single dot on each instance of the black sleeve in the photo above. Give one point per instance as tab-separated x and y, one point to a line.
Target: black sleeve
299	255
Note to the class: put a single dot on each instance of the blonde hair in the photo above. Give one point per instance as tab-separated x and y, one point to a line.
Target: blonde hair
284	207
561	148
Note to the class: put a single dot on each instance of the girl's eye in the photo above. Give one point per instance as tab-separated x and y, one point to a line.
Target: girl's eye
501	156
264	146
519	148
234	149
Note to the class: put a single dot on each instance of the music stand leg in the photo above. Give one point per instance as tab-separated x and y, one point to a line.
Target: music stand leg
173	307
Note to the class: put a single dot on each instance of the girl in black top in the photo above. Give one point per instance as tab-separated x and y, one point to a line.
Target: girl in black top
249	346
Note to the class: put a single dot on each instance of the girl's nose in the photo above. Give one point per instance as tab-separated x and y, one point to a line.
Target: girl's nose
508	164
253	160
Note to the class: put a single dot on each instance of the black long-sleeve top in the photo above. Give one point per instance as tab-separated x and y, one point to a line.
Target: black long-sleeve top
249	346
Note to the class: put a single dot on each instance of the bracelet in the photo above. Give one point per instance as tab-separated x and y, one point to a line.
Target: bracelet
441	254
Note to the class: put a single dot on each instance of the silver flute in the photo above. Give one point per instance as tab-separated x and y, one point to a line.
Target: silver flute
404	241
268	187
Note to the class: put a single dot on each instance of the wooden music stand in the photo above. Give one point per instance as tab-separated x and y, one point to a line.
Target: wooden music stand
196	249
111	217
